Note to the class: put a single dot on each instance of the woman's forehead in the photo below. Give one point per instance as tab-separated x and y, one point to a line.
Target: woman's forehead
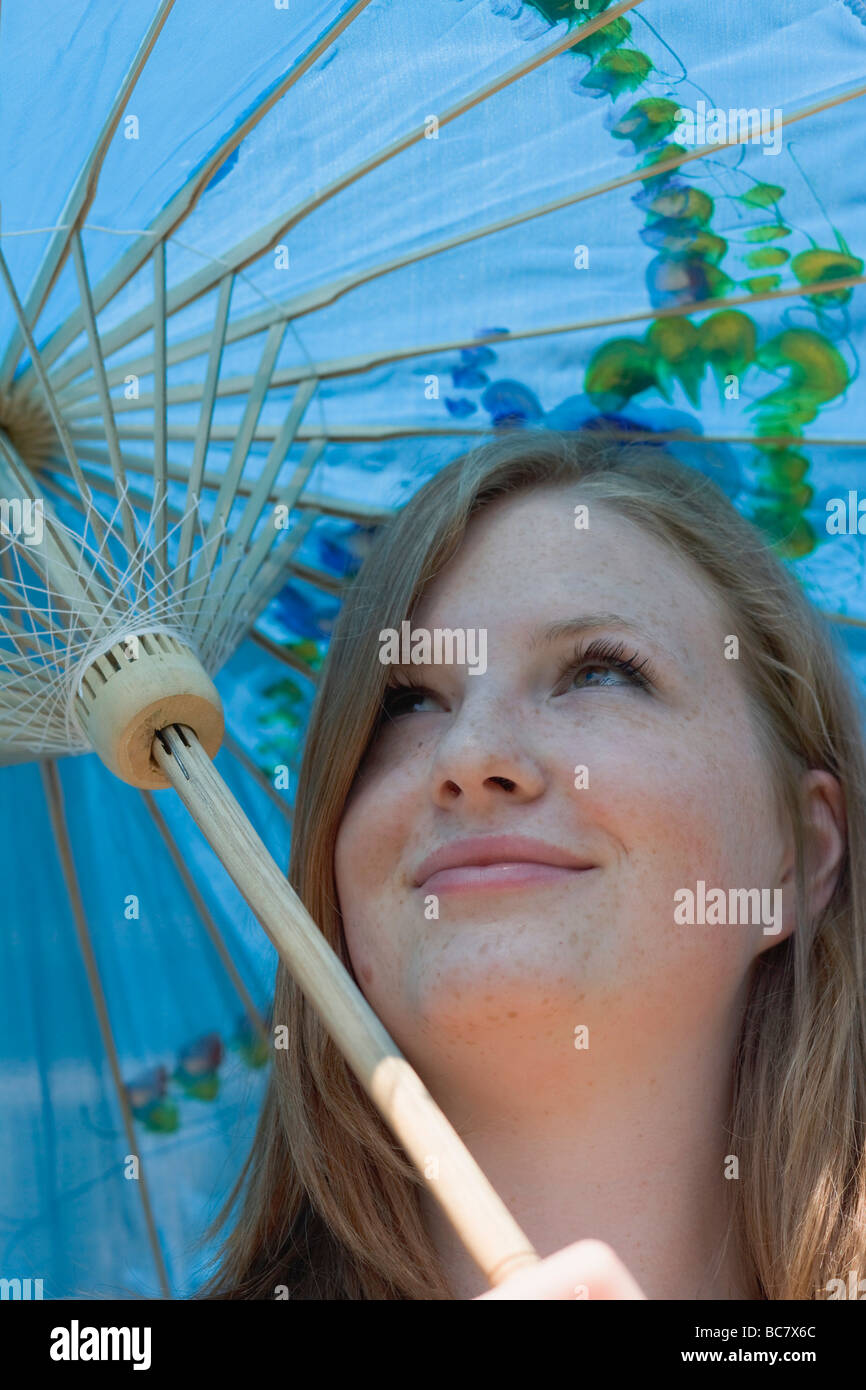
528	554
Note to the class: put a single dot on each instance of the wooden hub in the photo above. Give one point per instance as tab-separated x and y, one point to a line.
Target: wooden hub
141	685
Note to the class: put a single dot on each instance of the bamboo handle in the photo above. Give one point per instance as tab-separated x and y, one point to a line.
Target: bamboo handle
481	1220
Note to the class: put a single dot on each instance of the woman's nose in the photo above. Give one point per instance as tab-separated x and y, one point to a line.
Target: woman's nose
484	756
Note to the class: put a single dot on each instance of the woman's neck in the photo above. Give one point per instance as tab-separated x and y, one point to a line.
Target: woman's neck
624	1141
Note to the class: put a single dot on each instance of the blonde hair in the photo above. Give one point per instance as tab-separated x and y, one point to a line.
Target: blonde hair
330	1204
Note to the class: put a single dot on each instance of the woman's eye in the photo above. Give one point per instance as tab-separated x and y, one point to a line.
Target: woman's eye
603	665
409	699
599	675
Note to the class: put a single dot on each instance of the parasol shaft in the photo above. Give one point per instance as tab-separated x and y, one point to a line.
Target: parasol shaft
481	1220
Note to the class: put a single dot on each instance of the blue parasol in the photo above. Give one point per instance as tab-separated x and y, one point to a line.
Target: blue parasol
300	257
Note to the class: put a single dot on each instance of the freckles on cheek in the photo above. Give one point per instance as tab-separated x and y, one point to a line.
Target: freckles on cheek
711	814
373	828
675	803
371	862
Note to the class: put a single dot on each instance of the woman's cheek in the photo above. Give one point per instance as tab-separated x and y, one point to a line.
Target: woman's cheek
370	855
667	810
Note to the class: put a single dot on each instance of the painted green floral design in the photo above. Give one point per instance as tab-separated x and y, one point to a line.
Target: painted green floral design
196	1075
687	269
281	722
555	11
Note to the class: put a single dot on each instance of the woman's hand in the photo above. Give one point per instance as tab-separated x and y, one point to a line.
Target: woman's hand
587	1269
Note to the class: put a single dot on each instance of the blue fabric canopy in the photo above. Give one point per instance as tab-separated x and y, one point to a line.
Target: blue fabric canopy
468	222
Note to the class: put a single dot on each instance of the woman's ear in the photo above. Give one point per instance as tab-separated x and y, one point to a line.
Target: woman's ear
825	830
825	833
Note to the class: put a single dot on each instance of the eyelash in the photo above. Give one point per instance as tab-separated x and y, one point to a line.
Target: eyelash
596	652
398	686
609	652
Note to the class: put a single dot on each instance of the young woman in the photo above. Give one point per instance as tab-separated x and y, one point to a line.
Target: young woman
605	887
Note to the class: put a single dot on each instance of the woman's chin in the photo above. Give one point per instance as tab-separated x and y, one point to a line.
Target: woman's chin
495	984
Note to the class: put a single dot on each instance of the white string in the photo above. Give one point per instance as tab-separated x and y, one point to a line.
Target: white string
114	593
39	689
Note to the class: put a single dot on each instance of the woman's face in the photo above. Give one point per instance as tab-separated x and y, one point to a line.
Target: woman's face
674	791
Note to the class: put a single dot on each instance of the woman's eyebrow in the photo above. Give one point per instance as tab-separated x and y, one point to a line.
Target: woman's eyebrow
587	622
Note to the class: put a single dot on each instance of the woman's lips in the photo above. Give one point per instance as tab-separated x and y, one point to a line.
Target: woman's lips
494	877
494	862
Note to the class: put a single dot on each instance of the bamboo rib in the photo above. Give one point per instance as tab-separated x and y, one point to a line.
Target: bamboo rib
770	441
245	252
185	200
15	588
210	926
244	557
51	404
81	197
13	632
255	584
364	362
265	483
363	513
320	298
108	423
266	433
330	583
272	575
54	798
240	754
29	683
375	433
159	420
845	620
242	437
205	559
10	662
263	585
283	654
235	560
143	501
205	420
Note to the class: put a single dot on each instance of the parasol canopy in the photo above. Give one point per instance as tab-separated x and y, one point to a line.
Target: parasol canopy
263	273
